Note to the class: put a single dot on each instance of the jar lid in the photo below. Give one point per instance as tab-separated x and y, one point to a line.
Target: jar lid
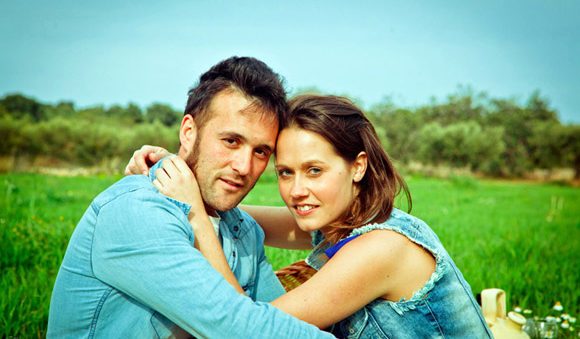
517	318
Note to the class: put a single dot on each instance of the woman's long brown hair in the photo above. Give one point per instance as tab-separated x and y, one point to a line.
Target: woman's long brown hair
350	132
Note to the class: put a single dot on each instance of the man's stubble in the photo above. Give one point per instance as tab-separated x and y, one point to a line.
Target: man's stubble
193	161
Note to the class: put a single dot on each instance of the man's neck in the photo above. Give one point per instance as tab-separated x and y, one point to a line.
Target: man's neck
210	211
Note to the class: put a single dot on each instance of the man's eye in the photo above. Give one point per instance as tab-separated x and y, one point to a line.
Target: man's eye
231	141
261	153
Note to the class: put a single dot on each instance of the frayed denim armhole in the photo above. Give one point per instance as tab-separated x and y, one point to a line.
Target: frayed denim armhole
441	266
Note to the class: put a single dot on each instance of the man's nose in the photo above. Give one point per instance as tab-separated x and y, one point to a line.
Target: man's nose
242	162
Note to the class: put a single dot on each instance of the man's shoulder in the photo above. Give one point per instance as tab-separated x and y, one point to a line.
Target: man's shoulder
129	187
133	203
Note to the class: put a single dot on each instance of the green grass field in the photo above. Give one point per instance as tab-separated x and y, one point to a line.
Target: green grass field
522	237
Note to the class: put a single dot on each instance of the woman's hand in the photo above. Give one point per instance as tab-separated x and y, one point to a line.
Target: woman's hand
144	158
176	180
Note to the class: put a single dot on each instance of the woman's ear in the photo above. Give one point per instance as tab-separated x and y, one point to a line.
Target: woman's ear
187	134
359	166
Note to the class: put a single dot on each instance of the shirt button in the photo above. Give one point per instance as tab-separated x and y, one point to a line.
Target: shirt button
236	228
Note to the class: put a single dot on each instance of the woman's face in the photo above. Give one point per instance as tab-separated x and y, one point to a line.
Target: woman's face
316	183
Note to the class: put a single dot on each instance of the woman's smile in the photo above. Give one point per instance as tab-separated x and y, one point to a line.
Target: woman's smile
314	181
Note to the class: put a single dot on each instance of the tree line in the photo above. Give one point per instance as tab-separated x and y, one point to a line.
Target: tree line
40	134
495	137
468	130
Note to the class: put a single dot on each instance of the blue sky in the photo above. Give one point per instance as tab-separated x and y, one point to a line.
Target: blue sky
109	52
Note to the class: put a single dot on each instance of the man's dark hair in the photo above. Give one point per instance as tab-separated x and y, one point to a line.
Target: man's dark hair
250	76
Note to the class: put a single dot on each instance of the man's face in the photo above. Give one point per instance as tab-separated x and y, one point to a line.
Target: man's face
231	150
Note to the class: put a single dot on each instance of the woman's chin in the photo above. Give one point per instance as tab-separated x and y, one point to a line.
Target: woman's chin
308	227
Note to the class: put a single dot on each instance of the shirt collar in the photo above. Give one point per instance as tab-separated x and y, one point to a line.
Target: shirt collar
153	168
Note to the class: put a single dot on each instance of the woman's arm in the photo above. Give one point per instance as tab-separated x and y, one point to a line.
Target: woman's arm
207	242
176	180
279	227
379	264
278	224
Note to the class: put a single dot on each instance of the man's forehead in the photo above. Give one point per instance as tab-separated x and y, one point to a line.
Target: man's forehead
233	103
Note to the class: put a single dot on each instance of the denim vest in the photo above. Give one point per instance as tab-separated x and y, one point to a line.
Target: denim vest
443	308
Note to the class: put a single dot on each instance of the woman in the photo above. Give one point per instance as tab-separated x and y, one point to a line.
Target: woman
381	272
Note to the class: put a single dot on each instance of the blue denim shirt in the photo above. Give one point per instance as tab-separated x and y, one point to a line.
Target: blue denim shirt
443	308
131	271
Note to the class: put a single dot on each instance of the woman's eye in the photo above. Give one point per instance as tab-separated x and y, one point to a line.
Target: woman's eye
314	171
283	173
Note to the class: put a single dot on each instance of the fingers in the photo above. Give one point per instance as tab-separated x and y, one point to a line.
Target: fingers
158	185
137	163
181	165
140	158
162	177
133	168
175	180
157	154
185	172
144	158
169	176
129	168
170	167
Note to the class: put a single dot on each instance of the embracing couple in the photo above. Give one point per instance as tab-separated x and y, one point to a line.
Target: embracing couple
169	253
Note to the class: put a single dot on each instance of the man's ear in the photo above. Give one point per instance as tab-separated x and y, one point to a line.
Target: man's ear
359	167
187	133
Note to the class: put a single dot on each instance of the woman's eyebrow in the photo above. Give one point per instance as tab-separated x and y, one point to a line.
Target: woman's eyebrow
306	163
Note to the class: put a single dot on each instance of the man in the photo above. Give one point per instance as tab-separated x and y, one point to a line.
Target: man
131	269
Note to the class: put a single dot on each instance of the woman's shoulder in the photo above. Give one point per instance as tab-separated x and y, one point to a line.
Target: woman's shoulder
402	234
388	253
395	255
384	244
